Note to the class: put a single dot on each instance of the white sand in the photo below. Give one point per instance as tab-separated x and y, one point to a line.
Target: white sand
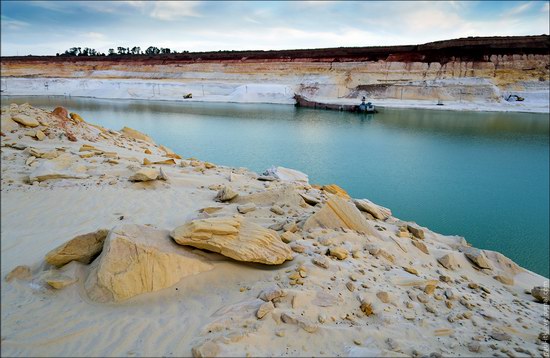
219	306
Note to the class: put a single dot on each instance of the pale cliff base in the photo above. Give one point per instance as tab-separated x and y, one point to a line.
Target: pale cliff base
415	95
214	312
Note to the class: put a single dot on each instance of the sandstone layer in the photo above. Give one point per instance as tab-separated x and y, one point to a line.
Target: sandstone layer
463	70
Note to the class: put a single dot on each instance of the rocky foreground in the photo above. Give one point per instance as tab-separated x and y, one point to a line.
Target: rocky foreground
114	245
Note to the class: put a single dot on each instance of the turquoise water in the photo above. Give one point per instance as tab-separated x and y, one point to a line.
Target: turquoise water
484	176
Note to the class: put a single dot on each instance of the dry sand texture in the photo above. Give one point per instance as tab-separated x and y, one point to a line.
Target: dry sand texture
99	224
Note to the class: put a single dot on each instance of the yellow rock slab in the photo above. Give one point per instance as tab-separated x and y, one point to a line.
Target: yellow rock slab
234	237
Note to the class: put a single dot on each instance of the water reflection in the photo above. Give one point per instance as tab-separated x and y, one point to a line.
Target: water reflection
479	123
473	174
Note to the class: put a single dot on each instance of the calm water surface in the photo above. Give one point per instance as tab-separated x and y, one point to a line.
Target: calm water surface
484	176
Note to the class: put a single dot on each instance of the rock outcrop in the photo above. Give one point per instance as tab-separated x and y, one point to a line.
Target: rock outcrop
226	194
234	237
448	261
62	167
338	213
541	294
138	259
335	190
476	256
379	212
145	174
283	195
132	133
26	120
82	248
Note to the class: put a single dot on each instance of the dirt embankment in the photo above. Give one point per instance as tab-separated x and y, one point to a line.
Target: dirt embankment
464	49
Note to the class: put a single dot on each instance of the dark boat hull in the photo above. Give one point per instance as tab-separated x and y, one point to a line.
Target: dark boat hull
302	102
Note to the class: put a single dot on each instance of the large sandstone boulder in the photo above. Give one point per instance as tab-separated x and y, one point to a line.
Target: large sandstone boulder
82	248
379	212
283	195
234	237
449	261
138	259
338	213
25	119
61	167
132	133
476	256
288	175
503	263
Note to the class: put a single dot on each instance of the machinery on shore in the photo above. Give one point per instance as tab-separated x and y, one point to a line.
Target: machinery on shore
367	107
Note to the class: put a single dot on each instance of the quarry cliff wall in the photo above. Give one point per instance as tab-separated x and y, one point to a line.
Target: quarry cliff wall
472	69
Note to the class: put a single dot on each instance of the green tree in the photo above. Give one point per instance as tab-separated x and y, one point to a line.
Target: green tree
151	50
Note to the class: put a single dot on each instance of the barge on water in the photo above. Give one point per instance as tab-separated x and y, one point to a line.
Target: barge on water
361	108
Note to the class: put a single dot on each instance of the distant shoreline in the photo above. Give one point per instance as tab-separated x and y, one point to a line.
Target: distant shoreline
380	104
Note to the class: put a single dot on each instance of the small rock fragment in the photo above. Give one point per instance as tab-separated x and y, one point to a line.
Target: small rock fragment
264	309
246	208
277	210
207	349
429	289
541	294
145	174
40	135
226	194
289	237
298	248
420	246
501	336
366	308
384	296
21	272
417	232
271	293
321	262
448	261
339	252
474	347
504	280
58	280
410	270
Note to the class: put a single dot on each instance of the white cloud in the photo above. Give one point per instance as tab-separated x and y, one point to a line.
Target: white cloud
94	35
52	6
11	24
545	7
174	10
518	9
138	4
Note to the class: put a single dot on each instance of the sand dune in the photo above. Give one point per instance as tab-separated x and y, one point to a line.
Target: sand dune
355	286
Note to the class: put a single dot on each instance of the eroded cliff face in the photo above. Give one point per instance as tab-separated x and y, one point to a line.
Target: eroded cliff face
473	69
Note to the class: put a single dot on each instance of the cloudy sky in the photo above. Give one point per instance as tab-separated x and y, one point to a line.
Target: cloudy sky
48	27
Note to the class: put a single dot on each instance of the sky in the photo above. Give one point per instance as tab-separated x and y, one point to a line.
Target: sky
49	27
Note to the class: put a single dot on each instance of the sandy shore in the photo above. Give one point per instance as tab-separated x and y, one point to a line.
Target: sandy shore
340	276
